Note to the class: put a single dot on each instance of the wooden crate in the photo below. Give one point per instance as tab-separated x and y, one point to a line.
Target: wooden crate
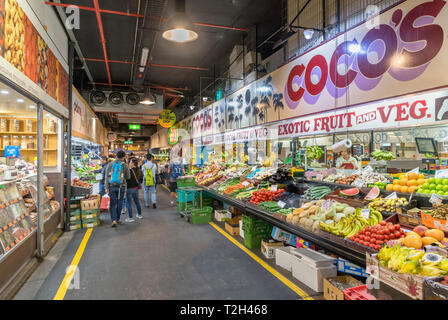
409	220
410	285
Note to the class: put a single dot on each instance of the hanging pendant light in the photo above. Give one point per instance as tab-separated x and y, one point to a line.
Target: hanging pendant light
179	27
148	99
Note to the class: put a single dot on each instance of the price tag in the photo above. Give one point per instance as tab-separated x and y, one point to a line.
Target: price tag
441	174
246	183
365	213
326	204
358	183
435	199
357	172
274	188
393	195
416	170
367	169
319	177
281	204
99	176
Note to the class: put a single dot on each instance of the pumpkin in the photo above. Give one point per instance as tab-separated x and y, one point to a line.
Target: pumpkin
436	234
413	241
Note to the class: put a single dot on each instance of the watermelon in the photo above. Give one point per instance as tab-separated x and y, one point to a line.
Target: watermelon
373	193
349	192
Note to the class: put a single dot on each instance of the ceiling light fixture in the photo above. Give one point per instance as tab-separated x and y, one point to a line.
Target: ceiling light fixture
148	99
308	33
4	92
20	100
144	59
179	27
32	107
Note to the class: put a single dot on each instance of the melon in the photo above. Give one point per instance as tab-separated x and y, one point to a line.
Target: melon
374	192
428	240
413	241
436	234
349	192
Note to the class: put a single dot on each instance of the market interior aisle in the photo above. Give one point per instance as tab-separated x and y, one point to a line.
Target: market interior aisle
160	257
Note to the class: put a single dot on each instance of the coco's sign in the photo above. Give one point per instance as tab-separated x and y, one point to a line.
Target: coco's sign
202	122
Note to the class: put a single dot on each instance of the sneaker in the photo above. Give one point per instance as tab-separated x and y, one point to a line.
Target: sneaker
139	216
154	206
124	211
172	203
119	222
129	220
114	224
146	205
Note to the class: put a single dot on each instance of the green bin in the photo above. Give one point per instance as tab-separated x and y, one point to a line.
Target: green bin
201	216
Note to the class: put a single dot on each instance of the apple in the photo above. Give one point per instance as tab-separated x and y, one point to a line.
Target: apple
420	230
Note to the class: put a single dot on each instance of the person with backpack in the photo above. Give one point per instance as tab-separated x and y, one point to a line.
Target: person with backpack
133	185
117	173
149	170
175	170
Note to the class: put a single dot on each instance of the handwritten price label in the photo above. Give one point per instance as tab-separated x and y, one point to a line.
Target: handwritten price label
281	204
392	196
365	213
246	183
274	188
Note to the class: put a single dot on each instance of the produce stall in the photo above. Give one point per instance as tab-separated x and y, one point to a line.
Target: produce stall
349	217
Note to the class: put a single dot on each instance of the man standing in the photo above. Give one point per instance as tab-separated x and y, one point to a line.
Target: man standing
117	172
175	170
149	170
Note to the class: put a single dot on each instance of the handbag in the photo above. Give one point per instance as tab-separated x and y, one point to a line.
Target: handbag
136	179
105	202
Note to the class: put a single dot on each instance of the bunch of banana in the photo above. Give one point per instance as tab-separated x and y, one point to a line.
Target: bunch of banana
375	217
348	226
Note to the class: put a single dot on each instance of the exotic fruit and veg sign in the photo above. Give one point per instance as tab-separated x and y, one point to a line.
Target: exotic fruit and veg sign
398	52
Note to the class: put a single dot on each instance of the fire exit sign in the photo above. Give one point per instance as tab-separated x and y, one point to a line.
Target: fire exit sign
134	127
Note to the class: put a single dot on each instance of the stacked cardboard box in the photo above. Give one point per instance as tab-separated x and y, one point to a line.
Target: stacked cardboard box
90	213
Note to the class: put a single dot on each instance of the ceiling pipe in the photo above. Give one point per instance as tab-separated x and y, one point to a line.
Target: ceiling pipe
152	64
130	85
103	39
64	5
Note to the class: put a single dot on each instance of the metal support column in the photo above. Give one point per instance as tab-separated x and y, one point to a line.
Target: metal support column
324	20
69	136
338	14
40	181
256	52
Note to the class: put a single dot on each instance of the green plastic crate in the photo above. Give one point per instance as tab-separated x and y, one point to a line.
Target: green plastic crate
91	220
76	212
252	241
90	211
185	182
201	216
182	206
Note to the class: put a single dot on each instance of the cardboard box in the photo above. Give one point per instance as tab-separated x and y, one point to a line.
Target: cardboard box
236	212
431	222
75	212
75	227
283	236
233	226
350	268
222	215
268	248
90	225
90	216
409	284
89	204
331	292
75	218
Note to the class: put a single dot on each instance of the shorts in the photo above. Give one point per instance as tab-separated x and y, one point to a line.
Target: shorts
173	186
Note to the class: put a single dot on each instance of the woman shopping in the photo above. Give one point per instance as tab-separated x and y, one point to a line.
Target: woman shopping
347	161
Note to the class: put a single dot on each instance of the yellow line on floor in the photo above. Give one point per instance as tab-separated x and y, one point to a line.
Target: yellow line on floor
165	187
274	272
72	268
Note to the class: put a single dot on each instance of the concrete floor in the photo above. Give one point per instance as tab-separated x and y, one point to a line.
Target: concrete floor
159	257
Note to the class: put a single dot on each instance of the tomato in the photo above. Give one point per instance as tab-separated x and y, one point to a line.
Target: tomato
368	234
383	223
397	234
386	231
397	227
372	241
377	247
380	232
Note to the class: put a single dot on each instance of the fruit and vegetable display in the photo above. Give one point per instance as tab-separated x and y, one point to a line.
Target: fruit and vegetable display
317	193
390	205
377	235
264	195
432	185
86	171
314	152
351	224
410	183
78	183
379	155
238	186
439	211
407	260
348	179
421	236
210	176
269	206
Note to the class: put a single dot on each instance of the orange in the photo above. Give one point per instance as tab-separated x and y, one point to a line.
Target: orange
404	189
397	188
404	182
412	182
412	189
421	176
390	187
420	181
412	175
396	181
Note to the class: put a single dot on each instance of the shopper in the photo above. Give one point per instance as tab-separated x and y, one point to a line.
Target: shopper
133	185
175	170
149	181
346	161
104	163
117	173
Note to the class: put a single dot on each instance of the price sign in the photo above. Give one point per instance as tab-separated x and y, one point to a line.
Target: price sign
357	172
358	183
274	188
367	169
393	195
281	204
416	170
99	176
246	183
326	204
319	177
365	213
435	199
442	173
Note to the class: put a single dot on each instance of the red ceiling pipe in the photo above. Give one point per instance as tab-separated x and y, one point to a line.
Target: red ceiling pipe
93	9
103	39
110	61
